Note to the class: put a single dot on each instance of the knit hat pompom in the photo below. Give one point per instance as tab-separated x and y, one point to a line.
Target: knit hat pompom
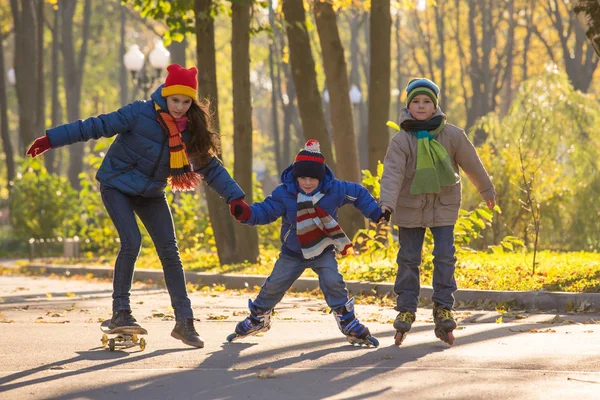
417	86
310	162
180	81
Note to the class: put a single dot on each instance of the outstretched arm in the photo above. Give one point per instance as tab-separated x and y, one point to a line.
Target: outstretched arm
219	180
267	211
467	158
361	199
104	125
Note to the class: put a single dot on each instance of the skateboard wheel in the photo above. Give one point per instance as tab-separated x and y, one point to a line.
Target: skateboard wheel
142	343
111	345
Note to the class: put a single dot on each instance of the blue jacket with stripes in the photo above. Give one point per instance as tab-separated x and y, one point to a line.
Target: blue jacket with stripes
282	203
137	162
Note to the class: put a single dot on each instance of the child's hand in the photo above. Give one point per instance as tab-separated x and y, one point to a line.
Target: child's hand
491	203
240	210
386	213
39	147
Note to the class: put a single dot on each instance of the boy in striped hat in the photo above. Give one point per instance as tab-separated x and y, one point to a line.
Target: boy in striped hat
307	201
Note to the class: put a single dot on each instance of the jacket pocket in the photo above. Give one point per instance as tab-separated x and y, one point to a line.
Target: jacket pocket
124	171
409	202
449	199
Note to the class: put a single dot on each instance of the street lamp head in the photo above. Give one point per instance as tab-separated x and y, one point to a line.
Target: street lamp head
12	79
134	59
355	95
159	56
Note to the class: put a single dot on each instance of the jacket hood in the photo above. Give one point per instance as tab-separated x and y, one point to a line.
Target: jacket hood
158	98
287	179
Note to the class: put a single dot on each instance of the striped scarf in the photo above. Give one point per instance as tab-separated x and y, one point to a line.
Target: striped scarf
316	229
182	176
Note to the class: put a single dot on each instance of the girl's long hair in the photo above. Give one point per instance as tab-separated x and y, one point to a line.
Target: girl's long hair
204	143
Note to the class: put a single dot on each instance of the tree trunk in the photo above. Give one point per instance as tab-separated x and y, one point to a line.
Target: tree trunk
342	122
55	112
221	221
274	62
4	133
246	236
40	114
122	50
73	67
379	82
588	12
362	137
305	78
177	50
25	64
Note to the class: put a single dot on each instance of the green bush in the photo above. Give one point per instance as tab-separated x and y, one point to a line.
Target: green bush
42	205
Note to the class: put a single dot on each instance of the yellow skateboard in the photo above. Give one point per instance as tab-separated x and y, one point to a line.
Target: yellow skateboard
124	337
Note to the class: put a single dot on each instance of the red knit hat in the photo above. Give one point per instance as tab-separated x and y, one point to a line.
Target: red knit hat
180	81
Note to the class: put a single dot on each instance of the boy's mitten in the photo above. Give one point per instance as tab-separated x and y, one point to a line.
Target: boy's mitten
39	147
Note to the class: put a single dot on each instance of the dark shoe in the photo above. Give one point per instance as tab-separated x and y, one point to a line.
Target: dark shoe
184	330
123	319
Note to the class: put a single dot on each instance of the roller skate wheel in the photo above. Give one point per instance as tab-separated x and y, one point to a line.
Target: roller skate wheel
399	338
111	345
142	344
231	337
104	340
374	342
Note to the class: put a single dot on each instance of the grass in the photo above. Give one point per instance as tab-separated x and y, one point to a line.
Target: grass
568	272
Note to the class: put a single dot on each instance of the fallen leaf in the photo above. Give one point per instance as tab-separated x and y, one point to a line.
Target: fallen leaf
219	317
71	294
239	313
49	295
6	321
499	320
266	373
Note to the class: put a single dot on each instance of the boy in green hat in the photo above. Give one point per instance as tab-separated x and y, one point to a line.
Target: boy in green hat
421	187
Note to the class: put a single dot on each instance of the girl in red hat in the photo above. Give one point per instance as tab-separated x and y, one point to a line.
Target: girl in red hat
161	141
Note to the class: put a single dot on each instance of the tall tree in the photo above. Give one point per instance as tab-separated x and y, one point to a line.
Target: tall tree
305	77
246	236
275	76
73	70
588	12
56	108
4	133
577	54
218	211
379	81
26	25
336	74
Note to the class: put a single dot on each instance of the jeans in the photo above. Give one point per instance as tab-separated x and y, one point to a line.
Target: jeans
155	214
407	286
287	269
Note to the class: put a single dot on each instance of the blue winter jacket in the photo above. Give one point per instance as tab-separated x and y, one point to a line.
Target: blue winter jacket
282	203
137	163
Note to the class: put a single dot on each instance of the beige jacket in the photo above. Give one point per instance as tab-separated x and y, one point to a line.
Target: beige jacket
429	210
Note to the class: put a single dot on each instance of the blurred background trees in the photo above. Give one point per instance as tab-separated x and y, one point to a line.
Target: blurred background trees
512	73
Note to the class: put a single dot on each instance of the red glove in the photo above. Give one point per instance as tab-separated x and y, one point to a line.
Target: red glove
240	210
39	147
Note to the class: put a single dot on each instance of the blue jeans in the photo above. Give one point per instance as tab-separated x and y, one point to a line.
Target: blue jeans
155	214
407	286
287	269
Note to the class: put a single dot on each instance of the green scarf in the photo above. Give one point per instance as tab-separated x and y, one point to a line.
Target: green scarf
434	167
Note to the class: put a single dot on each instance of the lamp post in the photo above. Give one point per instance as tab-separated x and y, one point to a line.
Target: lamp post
143	77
